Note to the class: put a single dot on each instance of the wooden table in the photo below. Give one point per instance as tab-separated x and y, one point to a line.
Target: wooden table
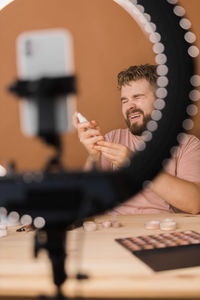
113	271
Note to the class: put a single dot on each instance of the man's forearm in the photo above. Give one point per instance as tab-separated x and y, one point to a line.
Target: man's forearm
182	194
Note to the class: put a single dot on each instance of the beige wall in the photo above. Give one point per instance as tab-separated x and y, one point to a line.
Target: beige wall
106	40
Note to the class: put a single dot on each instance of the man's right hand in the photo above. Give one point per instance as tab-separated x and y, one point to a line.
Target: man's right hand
89	134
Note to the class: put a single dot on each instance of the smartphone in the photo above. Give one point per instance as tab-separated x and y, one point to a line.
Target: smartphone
46	53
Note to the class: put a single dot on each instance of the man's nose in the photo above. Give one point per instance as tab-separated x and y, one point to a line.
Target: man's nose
132	105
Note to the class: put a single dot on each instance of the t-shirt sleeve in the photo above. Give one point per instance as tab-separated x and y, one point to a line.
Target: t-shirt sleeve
188	164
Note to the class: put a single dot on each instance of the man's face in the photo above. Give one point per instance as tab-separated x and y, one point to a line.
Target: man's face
137	99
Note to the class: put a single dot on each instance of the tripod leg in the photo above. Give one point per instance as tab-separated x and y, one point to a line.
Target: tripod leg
54	241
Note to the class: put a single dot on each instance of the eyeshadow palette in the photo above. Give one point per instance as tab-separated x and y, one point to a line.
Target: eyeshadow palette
166	251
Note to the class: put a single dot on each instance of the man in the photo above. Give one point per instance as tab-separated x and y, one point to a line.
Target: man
177	187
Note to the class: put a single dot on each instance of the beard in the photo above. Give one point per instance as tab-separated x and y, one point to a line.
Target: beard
135	128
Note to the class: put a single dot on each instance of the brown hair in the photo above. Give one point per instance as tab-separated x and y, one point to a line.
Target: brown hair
134	73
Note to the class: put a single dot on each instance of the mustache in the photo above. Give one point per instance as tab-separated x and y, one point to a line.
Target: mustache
131	111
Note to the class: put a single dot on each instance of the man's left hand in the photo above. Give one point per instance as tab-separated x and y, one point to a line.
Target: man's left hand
118	154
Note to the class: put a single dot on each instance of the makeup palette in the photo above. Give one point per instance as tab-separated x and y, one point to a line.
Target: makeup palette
166	251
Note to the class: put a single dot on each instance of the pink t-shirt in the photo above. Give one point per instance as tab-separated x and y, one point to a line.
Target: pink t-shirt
184	164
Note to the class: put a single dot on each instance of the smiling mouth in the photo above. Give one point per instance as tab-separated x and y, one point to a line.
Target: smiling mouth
134	117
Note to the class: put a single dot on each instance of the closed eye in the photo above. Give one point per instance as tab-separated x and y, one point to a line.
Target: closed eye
124	101
138	96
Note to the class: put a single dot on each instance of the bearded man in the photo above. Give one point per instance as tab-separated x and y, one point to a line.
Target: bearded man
177	187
